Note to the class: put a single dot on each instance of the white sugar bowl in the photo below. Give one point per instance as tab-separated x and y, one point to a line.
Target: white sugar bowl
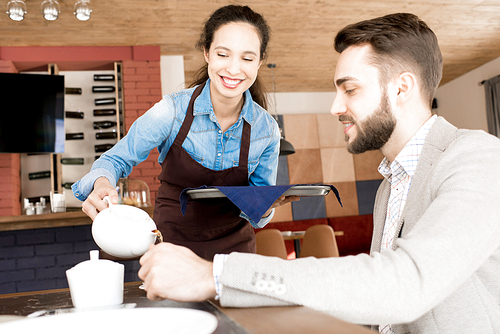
96	283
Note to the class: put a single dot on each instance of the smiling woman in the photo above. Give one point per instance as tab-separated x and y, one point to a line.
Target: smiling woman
203	135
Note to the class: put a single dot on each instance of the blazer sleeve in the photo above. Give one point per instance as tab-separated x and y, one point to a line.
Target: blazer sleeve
430	263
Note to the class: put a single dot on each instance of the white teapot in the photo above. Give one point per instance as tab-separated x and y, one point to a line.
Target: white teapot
124	231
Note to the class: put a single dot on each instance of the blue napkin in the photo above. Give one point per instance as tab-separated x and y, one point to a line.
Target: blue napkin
254	201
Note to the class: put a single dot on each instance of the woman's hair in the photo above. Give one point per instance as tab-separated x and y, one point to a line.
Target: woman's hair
400	42
230	14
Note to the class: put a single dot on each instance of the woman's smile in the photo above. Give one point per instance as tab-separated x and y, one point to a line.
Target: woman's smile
230	83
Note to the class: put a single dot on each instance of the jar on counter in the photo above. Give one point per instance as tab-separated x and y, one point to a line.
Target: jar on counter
133	192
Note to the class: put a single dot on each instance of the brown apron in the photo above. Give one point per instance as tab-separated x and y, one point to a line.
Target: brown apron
210	226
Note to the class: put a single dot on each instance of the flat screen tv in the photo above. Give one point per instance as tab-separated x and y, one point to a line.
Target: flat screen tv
31	113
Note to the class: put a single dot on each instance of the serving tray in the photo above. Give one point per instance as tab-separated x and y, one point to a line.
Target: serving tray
301	191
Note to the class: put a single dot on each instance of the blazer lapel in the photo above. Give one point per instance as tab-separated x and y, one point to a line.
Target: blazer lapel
438	139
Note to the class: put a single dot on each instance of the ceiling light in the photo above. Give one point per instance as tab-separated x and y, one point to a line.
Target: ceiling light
82	10
16	10
50	10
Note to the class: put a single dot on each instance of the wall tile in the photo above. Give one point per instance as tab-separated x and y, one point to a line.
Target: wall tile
337	165
301	130
366	165
330	131
309	208
366	191
283	213
305	166
282	177
348	195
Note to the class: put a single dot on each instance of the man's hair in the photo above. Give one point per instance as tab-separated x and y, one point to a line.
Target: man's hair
401	43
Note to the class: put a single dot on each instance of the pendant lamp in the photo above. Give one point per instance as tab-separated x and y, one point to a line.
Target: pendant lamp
286	147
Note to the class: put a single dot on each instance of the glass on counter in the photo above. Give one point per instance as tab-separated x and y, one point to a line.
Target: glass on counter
133	192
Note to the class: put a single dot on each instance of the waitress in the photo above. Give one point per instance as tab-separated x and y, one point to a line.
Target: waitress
216	133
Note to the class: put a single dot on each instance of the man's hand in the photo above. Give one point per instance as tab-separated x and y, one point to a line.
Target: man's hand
175	272
94	202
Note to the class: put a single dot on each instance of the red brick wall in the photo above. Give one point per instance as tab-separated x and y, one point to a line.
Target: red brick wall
142	89
6	66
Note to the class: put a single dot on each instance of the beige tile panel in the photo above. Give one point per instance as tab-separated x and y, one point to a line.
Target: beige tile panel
283	214
366	165
349	197
301	130
330	131
337	165
305	166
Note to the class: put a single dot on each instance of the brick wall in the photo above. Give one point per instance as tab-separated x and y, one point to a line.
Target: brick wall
37	259
142	89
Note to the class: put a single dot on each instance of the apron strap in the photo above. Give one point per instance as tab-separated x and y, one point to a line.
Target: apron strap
188	120
245	144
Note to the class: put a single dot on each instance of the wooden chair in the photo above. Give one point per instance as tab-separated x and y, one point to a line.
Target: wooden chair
319	241
270	243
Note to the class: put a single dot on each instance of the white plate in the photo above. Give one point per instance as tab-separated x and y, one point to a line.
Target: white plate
301	191
151	320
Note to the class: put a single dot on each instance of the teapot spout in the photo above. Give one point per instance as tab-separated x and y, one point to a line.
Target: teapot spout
159	236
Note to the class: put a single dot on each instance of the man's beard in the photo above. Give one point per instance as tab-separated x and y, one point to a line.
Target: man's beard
373	132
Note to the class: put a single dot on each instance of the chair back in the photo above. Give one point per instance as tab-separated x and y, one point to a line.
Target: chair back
319	241
270	243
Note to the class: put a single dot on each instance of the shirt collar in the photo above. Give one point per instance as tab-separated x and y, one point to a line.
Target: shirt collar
409	155
203	105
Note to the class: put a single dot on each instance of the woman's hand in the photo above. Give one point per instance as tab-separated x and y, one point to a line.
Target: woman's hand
94	202
174	272
282	200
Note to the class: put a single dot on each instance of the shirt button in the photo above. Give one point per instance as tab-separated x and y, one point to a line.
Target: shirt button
218	154
220	131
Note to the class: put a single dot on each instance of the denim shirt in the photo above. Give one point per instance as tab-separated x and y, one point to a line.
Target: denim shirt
205	142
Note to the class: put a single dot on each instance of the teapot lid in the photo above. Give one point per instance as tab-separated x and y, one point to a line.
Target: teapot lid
95	263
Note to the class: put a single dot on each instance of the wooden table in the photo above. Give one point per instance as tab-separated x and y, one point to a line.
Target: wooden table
289	320
296	236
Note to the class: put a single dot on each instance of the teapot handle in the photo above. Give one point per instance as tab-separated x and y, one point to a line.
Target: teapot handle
108	201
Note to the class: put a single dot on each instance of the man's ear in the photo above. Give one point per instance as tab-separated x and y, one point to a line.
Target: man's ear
406	85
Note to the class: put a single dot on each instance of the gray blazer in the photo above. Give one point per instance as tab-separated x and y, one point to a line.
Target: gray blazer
443	275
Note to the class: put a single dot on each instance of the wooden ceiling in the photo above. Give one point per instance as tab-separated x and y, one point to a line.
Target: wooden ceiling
302	31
